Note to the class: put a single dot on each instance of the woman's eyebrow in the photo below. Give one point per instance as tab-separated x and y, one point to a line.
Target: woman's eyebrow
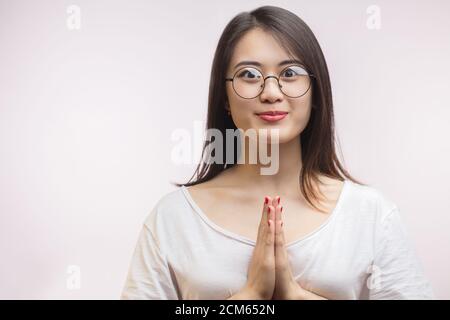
258	64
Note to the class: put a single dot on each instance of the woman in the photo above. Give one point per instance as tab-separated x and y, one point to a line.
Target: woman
308	230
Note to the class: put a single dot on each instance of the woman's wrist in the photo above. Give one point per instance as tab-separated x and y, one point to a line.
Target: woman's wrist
303	294
241	295
245	294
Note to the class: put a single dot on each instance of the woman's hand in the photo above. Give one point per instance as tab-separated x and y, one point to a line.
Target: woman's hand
261	272
286	288
269	275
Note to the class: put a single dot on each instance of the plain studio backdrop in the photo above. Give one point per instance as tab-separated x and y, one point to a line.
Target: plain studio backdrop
89	103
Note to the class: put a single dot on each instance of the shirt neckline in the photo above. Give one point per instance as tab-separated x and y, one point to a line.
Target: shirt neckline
249	241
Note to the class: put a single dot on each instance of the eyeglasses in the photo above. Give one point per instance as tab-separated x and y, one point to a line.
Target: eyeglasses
248	82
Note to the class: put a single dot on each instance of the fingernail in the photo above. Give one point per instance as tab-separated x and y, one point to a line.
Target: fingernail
279	200
266	200
269	209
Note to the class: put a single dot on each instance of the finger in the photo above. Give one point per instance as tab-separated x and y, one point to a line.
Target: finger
278	213
281	253
263	225
276	201
266	203
279	234
271	228
271	216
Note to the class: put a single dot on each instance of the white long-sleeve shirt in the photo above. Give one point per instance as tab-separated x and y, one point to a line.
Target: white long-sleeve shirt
362	251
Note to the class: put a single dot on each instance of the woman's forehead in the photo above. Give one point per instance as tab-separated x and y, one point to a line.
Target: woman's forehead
259	46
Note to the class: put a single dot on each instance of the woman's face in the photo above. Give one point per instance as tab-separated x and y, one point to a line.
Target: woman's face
259	46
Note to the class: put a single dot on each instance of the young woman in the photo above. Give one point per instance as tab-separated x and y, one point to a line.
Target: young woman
308	231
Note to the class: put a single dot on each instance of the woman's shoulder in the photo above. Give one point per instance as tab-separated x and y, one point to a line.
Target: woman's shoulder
369	199
173	202
167	208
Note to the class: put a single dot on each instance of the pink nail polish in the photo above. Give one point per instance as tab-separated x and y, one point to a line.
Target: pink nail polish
279	200
266	200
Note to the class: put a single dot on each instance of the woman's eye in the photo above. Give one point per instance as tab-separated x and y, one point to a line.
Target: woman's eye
289	73
292	72
249	74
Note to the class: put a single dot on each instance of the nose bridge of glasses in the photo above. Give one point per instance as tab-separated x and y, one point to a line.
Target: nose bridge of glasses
272	76
277	82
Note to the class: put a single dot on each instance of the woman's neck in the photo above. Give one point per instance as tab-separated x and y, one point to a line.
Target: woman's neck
286	163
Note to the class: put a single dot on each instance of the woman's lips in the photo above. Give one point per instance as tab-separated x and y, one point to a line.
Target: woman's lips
272	117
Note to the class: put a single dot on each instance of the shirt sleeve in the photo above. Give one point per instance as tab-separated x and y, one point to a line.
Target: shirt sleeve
149	275
397	272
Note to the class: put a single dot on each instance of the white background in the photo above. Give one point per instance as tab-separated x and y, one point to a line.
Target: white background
86	118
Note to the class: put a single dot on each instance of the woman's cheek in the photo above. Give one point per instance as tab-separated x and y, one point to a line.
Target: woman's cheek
300	120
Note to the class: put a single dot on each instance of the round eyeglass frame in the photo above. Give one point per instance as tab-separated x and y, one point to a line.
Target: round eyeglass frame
310	75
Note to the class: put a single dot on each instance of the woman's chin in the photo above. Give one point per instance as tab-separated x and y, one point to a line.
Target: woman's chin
276	136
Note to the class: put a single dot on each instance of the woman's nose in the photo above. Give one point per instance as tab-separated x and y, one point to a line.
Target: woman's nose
271	90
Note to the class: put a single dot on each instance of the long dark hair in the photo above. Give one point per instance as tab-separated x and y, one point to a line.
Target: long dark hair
317	139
